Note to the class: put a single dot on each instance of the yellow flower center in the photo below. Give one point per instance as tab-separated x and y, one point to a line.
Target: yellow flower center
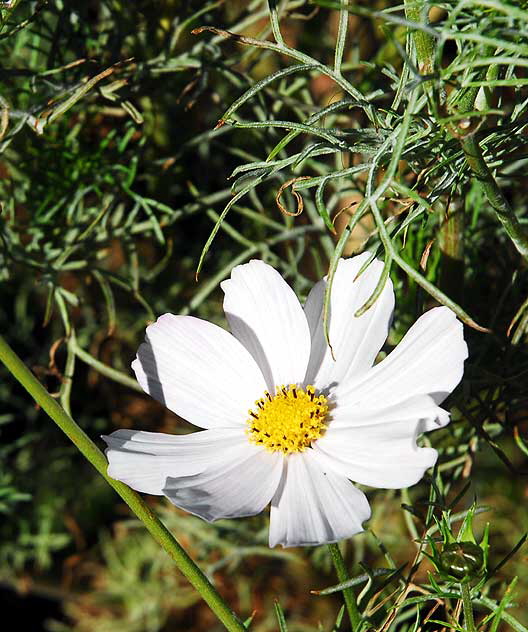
289	420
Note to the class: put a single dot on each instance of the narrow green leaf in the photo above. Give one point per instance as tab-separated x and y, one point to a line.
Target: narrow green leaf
280	616
279	74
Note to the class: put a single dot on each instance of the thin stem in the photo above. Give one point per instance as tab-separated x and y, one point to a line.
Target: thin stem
275	22
469	621
348	593
88	448
104	369
299	56
341	37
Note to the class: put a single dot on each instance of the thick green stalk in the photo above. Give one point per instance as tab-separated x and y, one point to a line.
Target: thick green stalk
88	448
452	247
348	593
415	11
469	621
498	202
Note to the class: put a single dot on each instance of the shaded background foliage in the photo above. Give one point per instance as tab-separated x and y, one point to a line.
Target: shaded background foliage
112	179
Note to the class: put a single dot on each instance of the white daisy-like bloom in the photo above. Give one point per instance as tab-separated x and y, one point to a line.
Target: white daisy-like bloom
286	421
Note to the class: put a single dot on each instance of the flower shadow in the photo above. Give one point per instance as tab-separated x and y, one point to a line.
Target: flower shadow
147	360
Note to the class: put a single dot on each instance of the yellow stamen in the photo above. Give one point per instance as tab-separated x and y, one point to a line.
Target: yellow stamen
289	420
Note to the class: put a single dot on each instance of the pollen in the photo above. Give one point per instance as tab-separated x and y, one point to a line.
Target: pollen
289	420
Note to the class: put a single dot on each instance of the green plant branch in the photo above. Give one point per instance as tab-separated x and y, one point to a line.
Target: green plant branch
469	621
297	55
341	38
275	21
390	249
452	234
348	594
152	523
104	369
483	175
496	199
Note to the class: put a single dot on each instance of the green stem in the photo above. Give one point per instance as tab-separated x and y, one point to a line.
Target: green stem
341	37
498	202
452	247
104	369
468	607
275	21
86	446
348	593
424	43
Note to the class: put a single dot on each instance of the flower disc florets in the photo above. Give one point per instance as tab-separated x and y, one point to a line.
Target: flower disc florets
289	420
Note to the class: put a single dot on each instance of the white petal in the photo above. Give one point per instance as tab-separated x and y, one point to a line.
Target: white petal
429	360
376	418
144	460
266	316
313	505
355	341
199	371
381	455
239	484
420	410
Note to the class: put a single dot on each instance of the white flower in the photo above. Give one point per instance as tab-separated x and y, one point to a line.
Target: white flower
286	423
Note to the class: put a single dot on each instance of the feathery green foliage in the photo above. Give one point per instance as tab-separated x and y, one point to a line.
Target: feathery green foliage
143	144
